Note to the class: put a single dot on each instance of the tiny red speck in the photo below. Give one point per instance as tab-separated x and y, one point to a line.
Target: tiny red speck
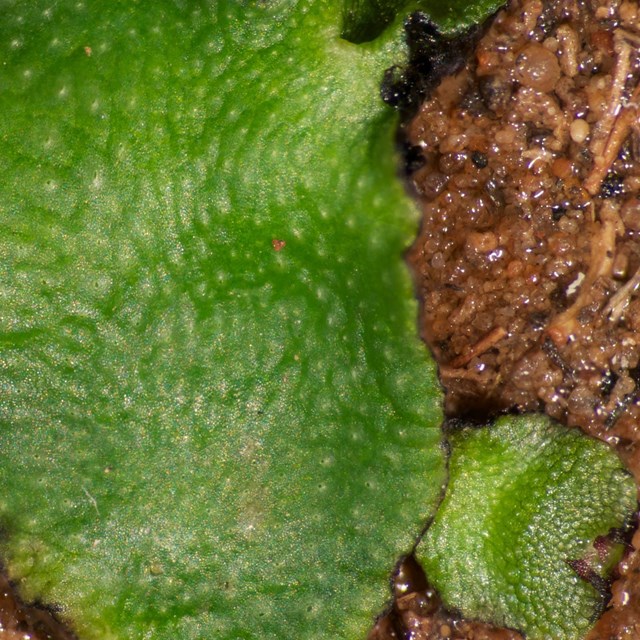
278	245
88	51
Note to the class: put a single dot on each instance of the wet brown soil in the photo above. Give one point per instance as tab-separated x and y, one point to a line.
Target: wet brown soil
525	158
20	621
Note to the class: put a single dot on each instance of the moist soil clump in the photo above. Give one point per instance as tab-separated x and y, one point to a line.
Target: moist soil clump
526	162
417	613
21	621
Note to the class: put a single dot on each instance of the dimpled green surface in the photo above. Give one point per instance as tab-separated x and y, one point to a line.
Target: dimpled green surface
525	496
201	436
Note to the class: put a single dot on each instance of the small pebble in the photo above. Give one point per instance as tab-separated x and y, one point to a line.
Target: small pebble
537	67
579	130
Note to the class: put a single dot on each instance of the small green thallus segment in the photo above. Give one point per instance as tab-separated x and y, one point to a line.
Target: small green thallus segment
526	501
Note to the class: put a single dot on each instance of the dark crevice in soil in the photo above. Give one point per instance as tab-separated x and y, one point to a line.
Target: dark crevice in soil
432	57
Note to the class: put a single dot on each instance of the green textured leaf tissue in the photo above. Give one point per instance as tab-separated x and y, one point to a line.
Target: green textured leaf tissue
217	420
